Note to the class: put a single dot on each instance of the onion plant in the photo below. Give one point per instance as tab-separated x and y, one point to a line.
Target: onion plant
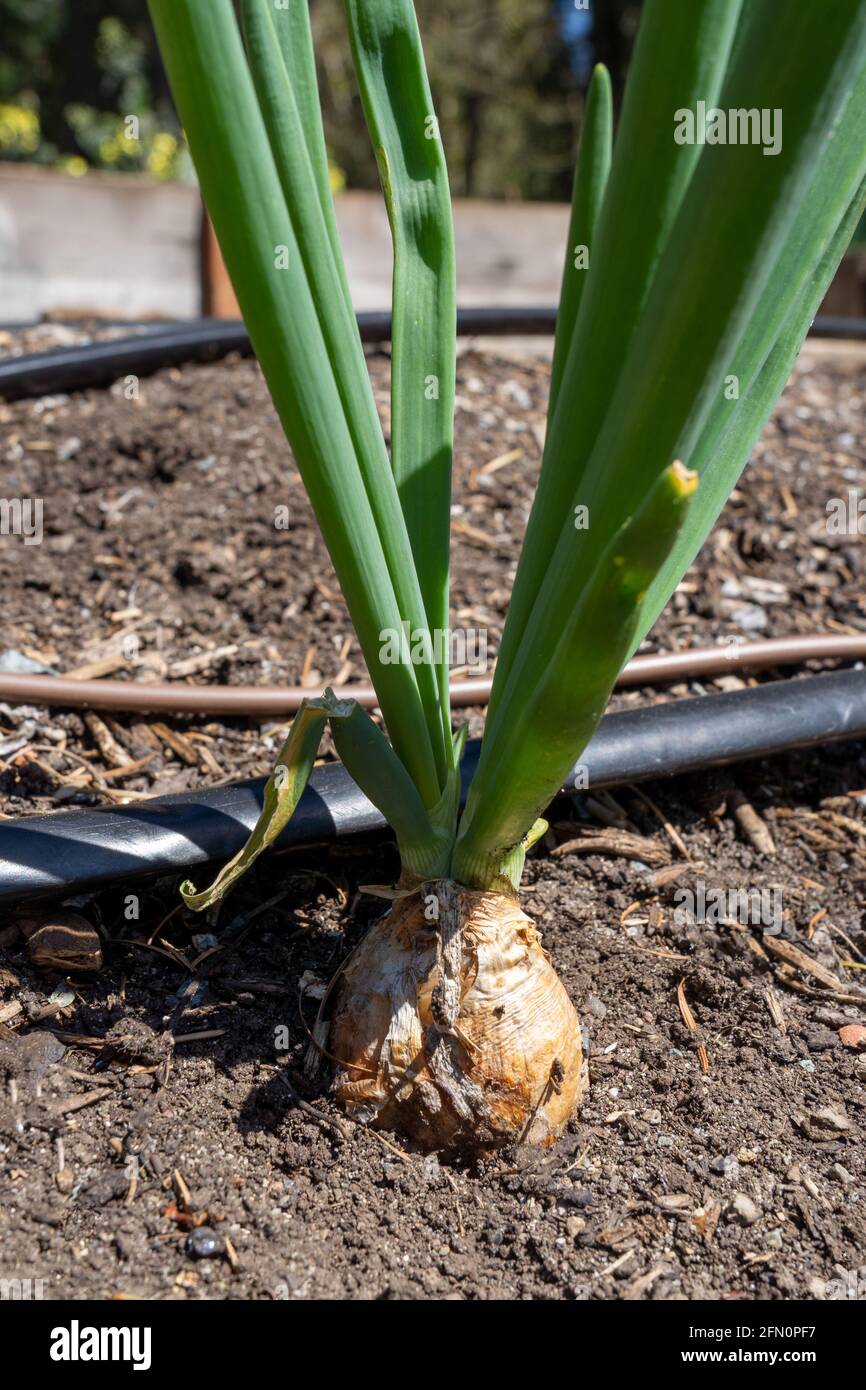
698	252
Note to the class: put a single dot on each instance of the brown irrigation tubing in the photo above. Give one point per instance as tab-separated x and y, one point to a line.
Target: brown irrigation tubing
178	698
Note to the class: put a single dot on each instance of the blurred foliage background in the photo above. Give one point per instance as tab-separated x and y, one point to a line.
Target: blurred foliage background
507	81
72	73
508	77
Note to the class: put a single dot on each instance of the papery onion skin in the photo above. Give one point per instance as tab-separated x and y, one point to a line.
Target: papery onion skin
509	1070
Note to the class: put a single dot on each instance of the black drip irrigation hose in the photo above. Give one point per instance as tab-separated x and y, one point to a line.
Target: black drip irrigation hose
206	340
66	852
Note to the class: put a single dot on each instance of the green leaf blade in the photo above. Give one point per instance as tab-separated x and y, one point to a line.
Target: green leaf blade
355	500
295	39
519	775
680	57
725	447
590	181
392	77
283	791
288	124
366	753
700	304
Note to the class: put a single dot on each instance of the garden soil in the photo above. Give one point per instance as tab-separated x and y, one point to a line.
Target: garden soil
718	1154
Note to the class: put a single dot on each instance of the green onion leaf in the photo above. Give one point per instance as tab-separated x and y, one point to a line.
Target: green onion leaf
423	843
707	259
728	440
739	209
389	62
293	314
515	783
680	58
590	181
282	793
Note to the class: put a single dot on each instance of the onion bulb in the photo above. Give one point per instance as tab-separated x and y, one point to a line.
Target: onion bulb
452	1027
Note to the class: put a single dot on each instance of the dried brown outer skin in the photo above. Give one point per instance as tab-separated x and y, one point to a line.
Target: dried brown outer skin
510	1069
58	939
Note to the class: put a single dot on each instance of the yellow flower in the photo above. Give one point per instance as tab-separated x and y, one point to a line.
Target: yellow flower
337	177
19	129
162	155
108	151
74	164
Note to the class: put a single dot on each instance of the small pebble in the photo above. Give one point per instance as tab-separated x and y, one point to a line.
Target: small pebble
65	1181
774	1240
838	1171
431	1170
853	1035
626	1269
726	1166
820	1040
831	1117
518	394
594	1006
746	1209
204	1244
807	1064
749	618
